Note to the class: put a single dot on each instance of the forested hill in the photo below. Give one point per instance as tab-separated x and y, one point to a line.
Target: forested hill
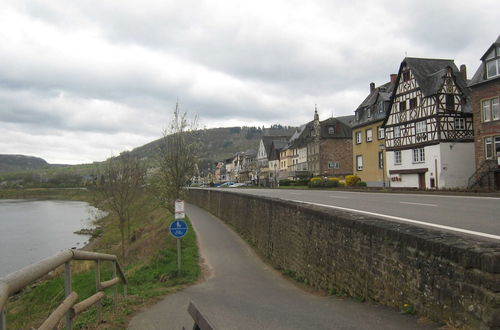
12	163
221	143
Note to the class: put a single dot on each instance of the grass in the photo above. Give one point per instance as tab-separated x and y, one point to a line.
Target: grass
151	267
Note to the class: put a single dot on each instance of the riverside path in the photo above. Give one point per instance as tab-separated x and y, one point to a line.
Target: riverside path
242	292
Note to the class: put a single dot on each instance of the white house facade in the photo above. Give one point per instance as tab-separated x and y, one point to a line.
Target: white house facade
429	133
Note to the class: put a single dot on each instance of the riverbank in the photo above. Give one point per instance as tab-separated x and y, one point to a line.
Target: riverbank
150	265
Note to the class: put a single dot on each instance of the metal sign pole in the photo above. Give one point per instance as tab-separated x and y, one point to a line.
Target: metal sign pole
178	256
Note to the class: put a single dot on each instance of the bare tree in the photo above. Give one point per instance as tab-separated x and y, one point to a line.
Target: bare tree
121	181
177	161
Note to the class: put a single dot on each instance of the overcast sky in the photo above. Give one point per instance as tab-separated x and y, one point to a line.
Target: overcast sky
83	80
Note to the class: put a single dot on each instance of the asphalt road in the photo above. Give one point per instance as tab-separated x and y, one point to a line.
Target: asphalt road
244	293
472	215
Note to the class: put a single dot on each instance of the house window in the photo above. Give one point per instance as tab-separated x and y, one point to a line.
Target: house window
359	163
450	101
358	137
357	115
397	132
488	144
492	67
420	127
381	106
491	109
406	75
331	130
419	155
397	157
459	123
380	159
369	135
413	103
402	106
497	146
380	133
368	112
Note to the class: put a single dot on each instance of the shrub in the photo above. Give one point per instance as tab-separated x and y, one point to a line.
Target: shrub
351	180
360	184
331	182
315	182
285	182
301	182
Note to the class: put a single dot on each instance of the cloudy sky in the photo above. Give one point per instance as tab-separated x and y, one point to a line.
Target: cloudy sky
83	80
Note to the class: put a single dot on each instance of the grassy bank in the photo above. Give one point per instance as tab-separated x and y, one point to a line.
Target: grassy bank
150	266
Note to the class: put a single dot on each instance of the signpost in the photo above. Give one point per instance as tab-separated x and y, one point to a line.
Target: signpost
179	228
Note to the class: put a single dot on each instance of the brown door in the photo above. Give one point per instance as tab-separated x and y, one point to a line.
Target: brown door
421	180
497	180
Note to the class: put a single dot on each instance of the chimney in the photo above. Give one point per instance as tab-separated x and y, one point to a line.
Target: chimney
394	76
372	87
463	71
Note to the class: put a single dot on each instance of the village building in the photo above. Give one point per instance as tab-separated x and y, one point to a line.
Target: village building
319	148
368	140
485	87
263	157
429	130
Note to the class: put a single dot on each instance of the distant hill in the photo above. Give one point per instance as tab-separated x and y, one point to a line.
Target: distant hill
219	144
12	163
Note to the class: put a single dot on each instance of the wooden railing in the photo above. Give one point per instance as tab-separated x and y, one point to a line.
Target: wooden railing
69	309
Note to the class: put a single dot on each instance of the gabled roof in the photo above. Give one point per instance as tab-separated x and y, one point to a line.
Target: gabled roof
371	102
342	127
480	75
269	139
429	74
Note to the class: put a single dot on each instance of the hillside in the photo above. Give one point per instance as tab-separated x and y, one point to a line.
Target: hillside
13	163
220	143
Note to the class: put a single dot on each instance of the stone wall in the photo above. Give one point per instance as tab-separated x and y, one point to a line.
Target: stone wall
441	276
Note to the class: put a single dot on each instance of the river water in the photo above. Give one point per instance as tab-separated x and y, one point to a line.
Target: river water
33	230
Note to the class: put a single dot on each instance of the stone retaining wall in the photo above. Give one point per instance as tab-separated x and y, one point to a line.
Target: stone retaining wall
444	277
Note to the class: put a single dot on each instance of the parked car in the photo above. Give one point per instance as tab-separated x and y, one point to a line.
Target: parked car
237	184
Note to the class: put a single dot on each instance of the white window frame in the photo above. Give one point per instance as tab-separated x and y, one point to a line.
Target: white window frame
359	137
369	135
490	109
398	130
359	162
398	157
421	127
380	133
496	65
488	147
418	155
459	123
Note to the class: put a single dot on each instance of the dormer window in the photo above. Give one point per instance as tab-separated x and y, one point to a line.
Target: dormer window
331	130
368	112
493	63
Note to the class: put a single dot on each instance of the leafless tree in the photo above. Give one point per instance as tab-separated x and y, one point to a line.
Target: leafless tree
121	180
178	158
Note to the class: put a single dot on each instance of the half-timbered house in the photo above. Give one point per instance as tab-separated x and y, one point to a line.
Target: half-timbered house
429	129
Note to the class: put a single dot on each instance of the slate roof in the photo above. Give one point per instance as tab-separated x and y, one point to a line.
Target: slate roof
429	74
480	75
268	141
372	103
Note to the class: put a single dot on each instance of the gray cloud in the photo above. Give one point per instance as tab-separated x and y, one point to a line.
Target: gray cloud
110	72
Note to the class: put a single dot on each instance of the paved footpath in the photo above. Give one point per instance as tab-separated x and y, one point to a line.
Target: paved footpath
244	293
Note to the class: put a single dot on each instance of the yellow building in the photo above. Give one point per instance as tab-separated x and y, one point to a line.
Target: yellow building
368	138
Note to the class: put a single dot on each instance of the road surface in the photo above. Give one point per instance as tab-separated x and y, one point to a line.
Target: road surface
244	293
473	215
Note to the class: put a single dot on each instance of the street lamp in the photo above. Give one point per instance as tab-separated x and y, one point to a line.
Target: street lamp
381	147
275	177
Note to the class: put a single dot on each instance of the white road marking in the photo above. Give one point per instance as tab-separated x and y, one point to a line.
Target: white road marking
341	197
293	193
417	195
418	204
460	230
